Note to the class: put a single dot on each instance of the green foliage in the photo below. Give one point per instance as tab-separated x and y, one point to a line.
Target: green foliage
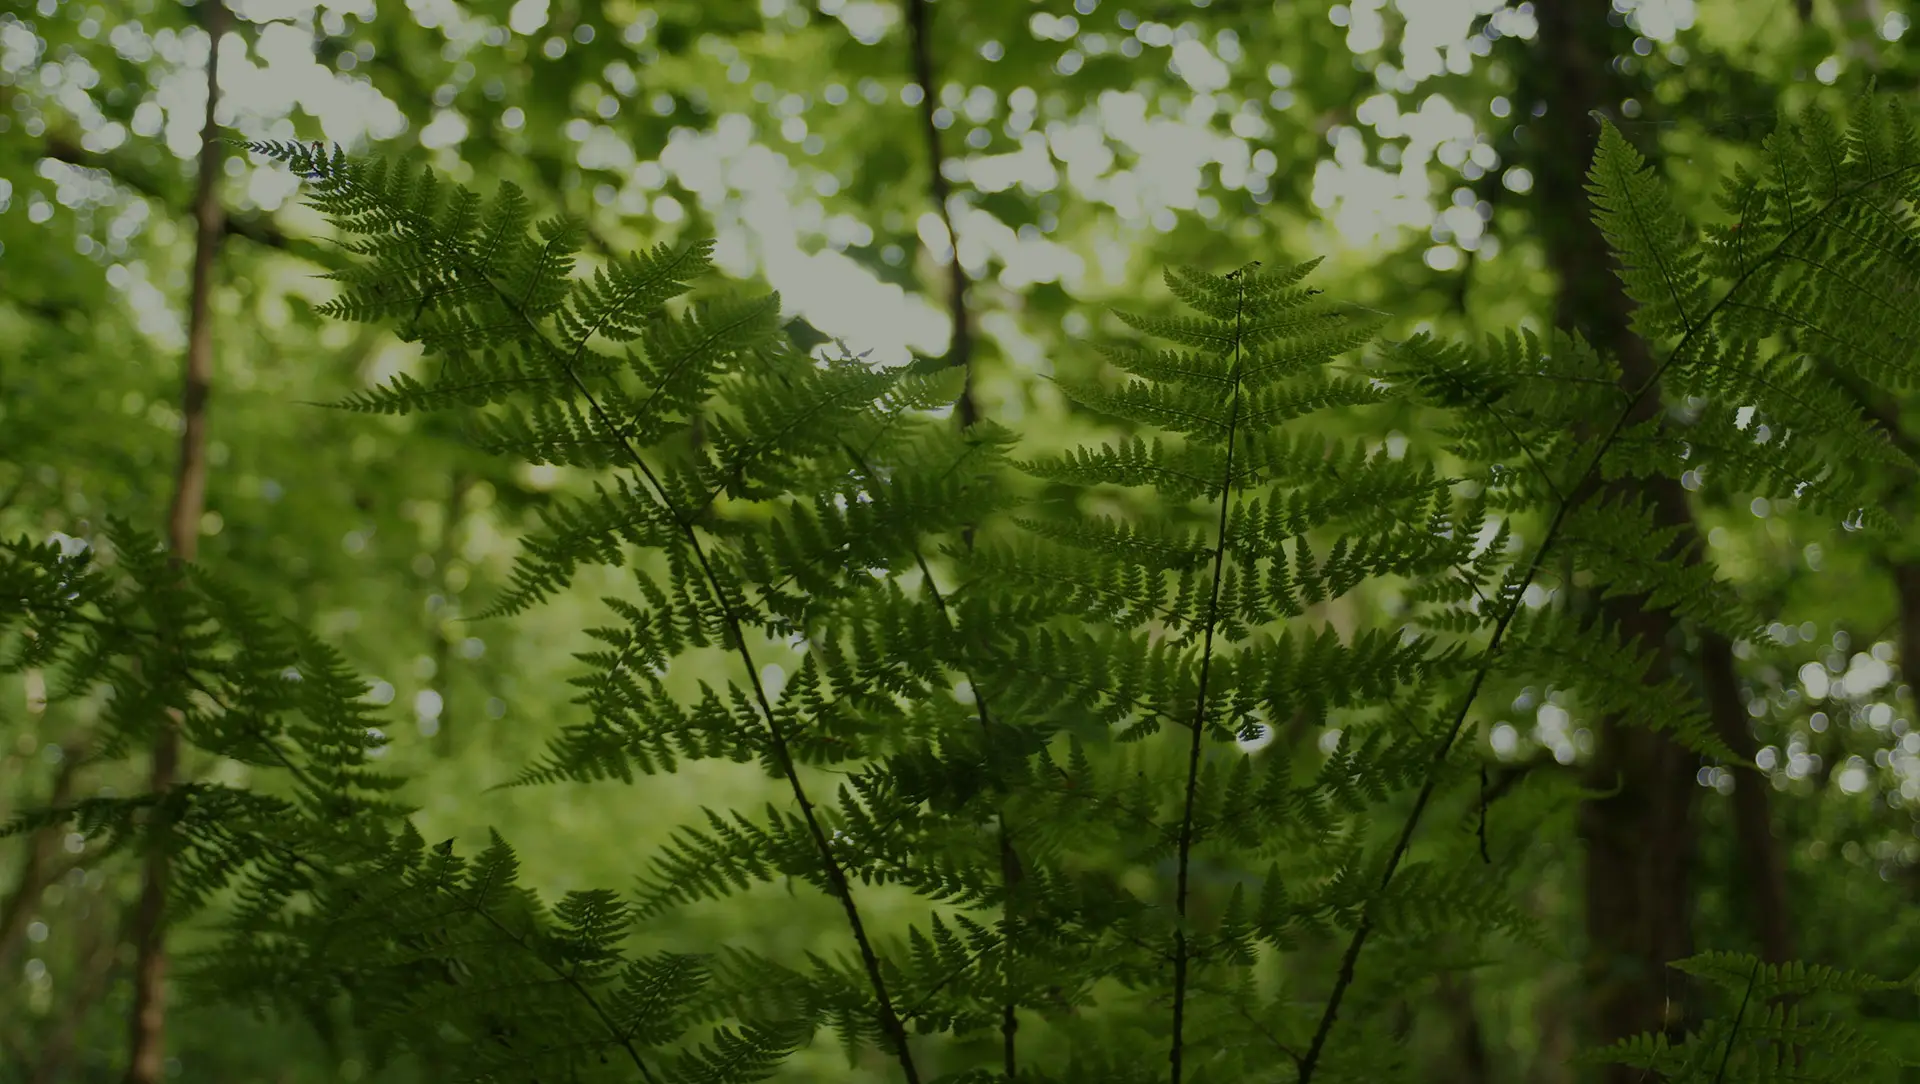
1156	811
1815	263
1210	639
765	500
1771	1036
161	644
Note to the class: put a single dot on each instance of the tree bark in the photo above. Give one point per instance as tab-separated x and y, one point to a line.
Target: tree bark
919	18
1640	837
1472	1061
147	1024
1906	583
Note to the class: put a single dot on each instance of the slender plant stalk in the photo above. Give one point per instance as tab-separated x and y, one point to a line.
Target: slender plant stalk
1010	874
147	1025
1010	868
890	1023
1197	743
1727	1056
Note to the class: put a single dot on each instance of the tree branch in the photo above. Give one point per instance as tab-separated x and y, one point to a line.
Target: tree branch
255	227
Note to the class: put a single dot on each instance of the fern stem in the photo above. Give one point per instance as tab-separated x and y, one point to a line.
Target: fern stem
912	1011
1009	857
423	229
586	994
1734	1032
1196	745
836	873
1515	592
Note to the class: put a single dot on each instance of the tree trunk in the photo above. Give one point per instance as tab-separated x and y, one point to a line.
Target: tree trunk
147	1024
1472	1062
1640	837
919	19
1906	584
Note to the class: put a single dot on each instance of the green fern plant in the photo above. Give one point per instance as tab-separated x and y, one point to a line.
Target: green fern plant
1769	1037
150	642
1184	638
1159	816
801	515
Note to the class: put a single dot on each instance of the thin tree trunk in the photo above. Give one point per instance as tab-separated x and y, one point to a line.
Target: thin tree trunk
1639	852
147	1025
1640	838
919	17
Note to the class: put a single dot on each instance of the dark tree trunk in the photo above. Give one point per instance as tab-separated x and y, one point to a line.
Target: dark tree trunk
1906	584
1640	837
1473	1063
